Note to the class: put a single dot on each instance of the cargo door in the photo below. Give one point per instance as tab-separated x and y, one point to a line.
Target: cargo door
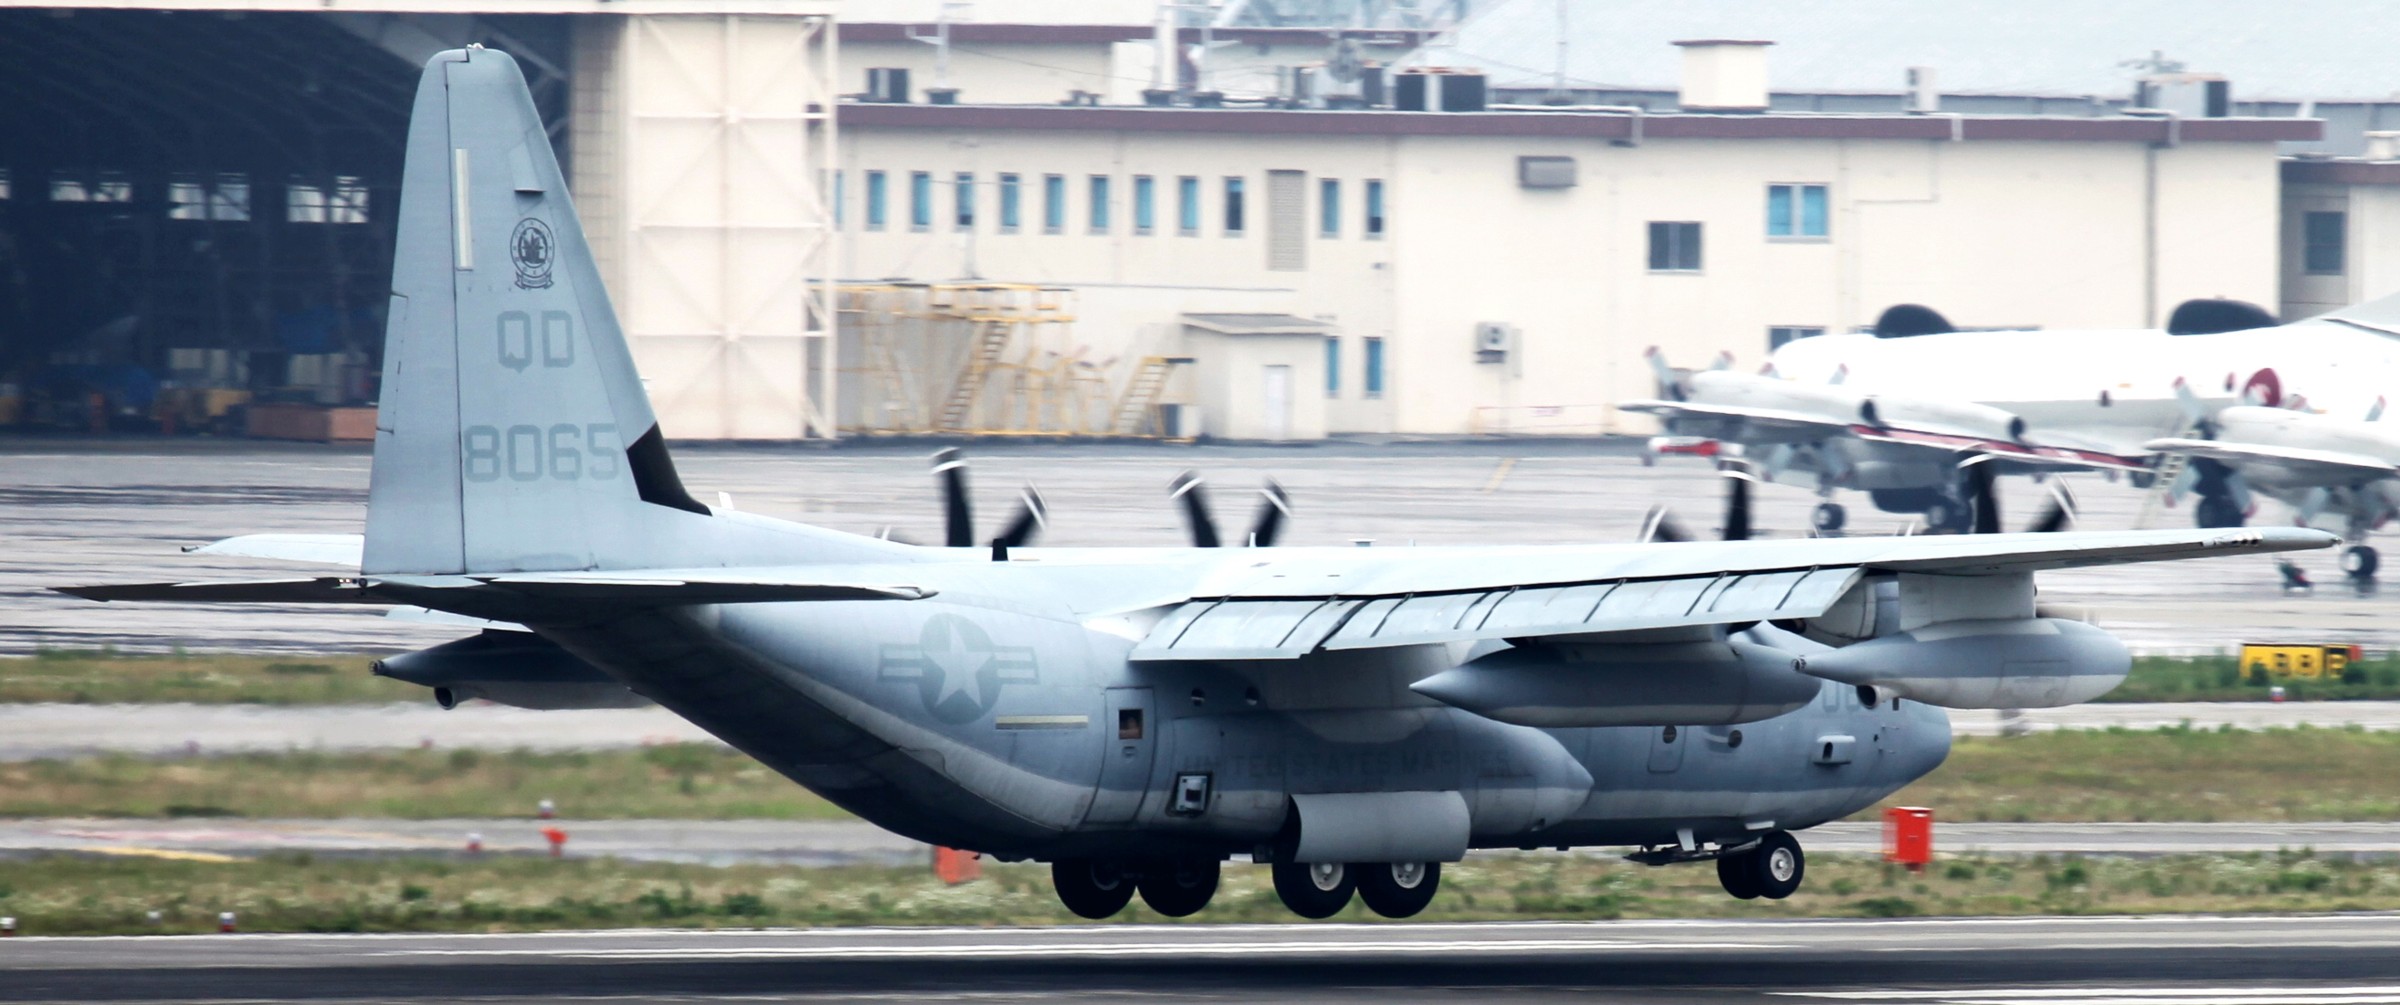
1666	749
1131	730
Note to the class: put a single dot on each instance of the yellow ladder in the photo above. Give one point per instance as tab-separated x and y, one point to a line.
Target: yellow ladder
1137	408
991	339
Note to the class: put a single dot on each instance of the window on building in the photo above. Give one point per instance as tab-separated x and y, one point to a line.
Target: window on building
2324	242
920	200
1795	211
1099	204
1333	366
4	184
226	197
1011	204
1233	207
108	186
1287	221
1054	203
1373	385
876	192
838	199
1674	247
1187	205
1145	204
1374	221
963	200
344	201
1329	207
1780	334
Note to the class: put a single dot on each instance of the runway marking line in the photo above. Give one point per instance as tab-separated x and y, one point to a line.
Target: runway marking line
950	950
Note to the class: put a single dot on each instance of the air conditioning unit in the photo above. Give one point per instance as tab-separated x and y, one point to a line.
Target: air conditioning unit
1493	341
887	85
1924	97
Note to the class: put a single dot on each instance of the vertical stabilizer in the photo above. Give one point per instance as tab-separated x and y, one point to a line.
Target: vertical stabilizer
513	432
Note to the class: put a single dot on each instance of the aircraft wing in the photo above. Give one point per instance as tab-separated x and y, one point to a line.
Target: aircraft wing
1762	425
2045	452
1288	609
2297	465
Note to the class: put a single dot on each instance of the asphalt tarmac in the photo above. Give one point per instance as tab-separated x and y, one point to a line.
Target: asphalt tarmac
2323	960
78	512
853	842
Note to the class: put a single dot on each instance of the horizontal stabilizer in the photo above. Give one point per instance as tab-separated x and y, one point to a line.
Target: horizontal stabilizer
323	549
330	590
665	589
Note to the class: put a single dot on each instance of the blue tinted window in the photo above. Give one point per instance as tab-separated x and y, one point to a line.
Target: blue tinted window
1187	204
920	200
1374	382
1054	203
875	200
964	197
1329	208
1333	367
1145	204
1374	207
1010	209
1099	204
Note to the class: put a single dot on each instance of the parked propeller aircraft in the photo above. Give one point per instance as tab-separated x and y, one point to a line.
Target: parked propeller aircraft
1352	717
2321	465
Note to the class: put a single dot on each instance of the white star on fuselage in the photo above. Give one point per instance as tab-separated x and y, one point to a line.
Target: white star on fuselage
958	668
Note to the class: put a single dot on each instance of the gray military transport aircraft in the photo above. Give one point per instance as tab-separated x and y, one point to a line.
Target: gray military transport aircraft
1351	717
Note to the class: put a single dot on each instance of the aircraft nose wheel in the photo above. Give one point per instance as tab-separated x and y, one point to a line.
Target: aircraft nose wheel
1091	888
1829	518
1398	889
1772	870
1314	889
2360	561
1179	889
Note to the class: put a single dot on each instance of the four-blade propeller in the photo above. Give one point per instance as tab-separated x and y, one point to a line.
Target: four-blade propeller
958	515
1274	505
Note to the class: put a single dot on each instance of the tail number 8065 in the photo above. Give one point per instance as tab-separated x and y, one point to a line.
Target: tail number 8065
562	452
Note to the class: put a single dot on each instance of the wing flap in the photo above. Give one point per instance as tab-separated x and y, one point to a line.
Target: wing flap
1279	629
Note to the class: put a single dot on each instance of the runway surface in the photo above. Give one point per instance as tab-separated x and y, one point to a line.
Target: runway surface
31	732
120	512
2326	960
851	842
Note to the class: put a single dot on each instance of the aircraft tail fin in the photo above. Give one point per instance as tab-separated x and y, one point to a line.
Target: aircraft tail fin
513	432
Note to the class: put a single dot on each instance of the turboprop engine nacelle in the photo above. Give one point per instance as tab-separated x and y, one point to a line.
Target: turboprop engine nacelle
1998	663
1683	684
1964	418
512	668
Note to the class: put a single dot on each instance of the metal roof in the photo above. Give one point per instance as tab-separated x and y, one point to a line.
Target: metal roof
1257	324
2016	47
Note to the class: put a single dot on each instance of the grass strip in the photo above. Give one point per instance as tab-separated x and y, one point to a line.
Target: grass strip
69	895
2170	774
105	676
688	781
101	676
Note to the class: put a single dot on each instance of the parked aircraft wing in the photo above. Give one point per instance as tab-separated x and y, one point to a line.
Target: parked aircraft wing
323	549
2044	452
2298	465
1289	609
1761	424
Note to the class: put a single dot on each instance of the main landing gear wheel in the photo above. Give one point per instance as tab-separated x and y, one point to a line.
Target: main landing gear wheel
2360	562
1948	516
1179	889
1739	875
1777	865
1829	517
1314	889
1398	889
1090	888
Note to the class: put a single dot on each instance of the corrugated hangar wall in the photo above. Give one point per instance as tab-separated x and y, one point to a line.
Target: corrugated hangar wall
200	200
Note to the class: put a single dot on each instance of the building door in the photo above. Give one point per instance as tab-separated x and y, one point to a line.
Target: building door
1287	221
1277	402
1131	730
1666	749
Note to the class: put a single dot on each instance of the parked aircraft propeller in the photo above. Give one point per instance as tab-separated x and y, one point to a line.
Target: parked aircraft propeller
1983	500
1660	524
1274	506
958	516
